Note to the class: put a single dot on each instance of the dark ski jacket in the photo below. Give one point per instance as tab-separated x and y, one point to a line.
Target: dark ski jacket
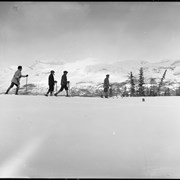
106	83
51	80
64	80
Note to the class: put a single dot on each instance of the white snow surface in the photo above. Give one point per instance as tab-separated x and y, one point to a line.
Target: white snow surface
89	137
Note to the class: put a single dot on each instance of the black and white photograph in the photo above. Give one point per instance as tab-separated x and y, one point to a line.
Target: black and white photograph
89	89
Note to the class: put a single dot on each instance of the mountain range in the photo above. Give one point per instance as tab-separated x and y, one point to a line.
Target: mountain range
86	76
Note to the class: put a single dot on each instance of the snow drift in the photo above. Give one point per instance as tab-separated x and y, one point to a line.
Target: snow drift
89	137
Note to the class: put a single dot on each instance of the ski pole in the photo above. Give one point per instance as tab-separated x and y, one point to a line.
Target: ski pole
69	89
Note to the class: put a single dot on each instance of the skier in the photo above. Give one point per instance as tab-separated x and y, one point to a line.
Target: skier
51	83
106	86
16	80
64	84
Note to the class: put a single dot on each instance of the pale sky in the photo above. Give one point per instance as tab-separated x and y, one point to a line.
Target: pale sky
71	31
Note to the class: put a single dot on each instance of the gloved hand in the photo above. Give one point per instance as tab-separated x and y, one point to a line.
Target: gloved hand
27	75
55	81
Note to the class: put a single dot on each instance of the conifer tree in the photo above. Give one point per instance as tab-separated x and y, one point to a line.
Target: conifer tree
132	89
161	82
141	82
125	92
178	91
167	92
153	87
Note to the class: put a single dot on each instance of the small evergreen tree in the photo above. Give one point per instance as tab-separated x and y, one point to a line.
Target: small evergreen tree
153	87
141	82
167	91
161	82
132	88
125	92
178	91
147	91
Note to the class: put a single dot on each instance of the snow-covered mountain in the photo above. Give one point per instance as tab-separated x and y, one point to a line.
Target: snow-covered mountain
88	75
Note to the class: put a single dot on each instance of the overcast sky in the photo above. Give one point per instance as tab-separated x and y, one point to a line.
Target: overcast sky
71	31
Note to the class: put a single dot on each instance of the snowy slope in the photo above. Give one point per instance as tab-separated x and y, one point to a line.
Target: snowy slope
91	72
89	137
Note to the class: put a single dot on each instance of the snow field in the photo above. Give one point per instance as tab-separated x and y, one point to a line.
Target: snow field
89	137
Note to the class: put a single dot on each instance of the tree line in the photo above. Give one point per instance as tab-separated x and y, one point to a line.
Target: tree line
139	88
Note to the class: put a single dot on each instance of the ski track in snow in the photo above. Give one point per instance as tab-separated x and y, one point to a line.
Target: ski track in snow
89	137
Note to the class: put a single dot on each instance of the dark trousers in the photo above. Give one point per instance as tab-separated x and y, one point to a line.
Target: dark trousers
63	87
51	89
11	86
106	90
